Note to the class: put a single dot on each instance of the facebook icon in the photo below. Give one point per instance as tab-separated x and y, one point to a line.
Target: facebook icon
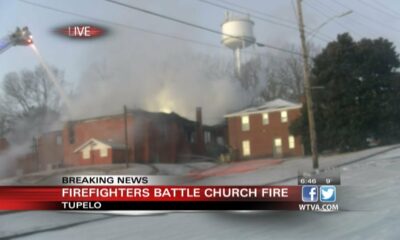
310	194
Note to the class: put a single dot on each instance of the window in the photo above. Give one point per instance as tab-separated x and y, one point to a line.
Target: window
284	116
103	152
278	142
245	123
246	148
277	150
265	119
291	142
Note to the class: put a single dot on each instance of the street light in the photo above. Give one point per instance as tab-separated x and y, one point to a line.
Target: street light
315	31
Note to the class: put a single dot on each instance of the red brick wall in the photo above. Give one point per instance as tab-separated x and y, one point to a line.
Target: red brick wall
148	140
162	142
261	136
102	129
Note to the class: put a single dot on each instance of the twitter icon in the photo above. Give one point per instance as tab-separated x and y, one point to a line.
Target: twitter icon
327	194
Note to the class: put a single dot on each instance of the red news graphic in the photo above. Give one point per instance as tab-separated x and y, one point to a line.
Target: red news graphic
150	197
82	31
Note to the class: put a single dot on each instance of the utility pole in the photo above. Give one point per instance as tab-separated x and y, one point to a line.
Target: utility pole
35	147
126	136
307	89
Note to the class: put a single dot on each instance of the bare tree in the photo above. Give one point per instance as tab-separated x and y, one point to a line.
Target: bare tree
285	76
29	103
251	74
29	90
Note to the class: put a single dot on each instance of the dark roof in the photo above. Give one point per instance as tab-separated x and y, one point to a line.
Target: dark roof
155	116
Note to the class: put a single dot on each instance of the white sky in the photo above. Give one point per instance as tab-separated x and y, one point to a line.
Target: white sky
369	19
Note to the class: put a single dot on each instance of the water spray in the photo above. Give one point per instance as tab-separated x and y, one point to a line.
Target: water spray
52	78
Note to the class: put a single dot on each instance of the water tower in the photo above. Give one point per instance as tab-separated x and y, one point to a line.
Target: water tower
237	33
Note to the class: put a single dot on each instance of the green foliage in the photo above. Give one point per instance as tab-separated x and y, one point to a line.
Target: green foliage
360	96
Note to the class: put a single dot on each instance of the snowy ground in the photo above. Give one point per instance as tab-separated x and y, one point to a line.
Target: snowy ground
369	195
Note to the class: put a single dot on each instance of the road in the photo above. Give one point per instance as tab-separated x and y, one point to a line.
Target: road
368	197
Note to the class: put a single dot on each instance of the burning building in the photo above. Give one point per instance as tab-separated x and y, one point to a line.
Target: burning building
137	136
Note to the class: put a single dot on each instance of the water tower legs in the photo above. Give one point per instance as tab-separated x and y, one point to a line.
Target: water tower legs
238	61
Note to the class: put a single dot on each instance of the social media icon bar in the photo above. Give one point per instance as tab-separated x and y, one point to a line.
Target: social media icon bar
310	194
327	194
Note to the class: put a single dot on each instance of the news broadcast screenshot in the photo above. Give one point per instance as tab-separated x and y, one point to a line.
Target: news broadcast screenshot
199	119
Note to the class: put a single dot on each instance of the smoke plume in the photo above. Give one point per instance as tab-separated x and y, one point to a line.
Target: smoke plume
157	76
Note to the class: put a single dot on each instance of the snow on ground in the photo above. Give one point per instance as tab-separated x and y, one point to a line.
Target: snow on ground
368	196
54	176
23	222
289	169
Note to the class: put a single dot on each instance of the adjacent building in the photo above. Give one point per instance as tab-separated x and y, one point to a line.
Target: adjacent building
263	131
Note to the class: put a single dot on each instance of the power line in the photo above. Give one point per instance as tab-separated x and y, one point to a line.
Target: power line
138	29
368	18
128	26
322	4
308	30
318	10
245	13
257	17
122	25
373	28
198	26
378	9
256	11
397	13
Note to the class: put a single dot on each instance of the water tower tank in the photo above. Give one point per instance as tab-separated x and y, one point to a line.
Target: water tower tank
237	32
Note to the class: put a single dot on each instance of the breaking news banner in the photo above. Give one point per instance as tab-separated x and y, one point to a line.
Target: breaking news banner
162	193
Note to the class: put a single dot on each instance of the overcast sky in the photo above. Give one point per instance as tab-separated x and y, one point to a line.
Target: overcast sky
369	19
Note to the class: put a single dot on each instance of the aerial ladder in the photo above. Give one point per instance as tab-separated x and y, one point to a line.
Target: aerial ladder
21	37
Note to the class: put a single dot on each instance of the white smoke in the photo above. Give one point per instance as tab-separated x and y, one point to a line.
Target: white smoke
157	75
9	157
